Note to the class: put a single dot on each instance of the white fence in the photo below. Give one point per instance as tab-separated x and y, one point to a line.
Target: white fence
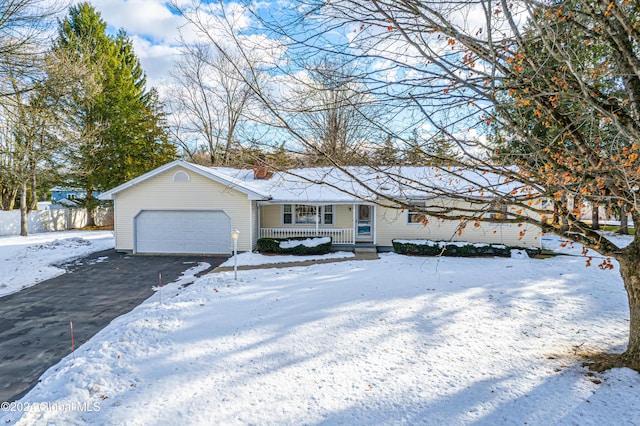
48	220
338	236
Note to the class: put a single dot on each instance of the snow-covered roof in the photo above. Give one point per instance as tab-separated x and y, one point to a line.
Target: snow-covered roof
347	185
353	184
66	189
208	172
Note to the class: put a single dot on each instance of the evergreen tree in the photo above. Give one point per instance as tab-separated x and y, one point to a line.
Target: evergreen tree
116	125
387	154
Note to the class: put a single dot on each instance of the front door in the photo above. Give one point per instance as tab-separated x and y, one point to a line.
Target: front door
364	224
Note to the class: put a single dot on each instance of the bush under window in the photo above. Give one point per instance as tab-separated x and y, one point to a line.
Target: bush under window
273	245
455	249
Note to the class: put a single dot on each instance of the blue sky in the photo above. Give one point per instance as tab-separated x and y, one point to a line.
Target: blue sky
153	28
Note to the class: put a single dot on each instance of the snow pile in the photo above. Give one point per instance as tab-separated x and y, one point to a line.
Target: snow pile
400	340
253	259
309	242
25	261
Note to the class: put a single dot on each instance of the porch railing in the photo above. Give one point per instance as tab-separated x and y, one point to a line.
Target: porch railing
338	236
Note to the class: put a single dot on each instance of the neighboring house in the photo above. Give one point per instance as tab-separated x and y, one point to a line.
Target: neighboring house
63	195
185	208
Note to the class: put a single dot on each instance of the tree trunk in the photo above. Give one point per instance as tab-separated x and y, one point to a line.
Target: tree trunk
595	220
24	213
91	208
630	270
8	198
34	193
624	222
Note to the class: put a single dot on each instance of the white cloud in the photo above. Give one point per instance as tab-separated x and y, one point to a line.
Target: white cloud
157	59
146	18
155	29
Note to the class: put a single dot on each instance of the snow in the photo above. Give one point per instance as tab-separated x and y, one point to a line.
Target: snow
25	261
399	340
309	242
254	259
564	246
331	184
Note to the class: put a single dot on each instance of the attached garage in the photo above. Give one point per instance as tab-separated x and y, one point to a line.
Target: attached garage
182	232
183	208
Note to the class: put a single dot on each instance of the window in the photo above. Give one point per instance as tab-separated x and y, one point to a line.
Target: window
287	218
71	196
416	217
304	214
328	215
181	176
499	213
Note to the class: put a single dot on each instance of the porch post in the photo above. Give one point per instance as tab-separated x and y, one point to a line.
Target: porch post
355	225
372	213
259	224
317	220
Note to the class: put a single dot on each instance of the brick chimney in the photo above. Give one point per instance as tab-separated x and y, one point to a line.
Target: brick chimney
261	170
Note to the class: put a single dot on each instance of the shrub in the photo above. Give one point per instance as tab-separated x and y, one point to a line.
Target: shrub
272	245
455	249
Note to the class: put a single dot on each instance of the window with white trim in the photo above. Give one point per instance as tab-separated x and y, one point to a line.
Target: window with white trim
327	214
501	212
305	214
287	217
417	217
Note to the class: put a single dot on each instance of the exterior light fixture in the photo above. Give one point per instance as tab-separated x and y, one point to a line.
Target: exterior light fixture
234	234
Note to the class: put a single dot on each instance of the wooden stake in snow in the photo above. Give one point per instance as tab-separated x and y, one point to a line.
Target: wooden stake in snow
72	340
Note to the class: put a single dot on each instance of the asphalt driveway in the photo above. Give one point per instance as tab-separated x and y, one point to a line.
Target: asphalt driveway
34	325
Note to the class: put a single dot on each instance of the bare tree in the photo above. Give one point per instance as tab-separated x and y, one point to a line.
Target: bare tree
532	71
334	112
23	31
23	147
27	145
209	101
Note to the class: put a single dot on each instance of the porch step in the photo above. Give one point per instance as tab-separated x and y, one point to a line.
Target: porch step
365	250
365	253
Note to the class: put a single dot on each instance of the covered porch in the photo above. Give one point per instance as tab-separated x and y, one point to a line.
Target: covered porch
346	224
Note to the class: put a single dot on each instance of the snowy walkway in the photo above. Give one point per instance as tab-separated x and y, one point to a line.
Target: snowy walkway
303	261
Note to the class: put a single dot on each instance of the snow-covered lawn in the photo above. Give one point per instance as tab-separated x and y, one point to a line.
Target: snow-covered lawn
25	261
400	340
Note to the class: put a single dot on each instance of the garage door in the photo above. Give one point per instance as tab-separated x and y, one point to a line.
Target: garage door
185	232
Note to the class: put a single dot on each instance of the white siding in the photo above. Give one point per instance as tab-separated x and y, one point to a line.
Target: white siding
271	217
162	193
391	223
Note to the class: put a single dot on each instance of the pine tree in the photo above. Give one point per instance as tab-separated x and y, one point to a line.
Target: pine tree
116	125
387	154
